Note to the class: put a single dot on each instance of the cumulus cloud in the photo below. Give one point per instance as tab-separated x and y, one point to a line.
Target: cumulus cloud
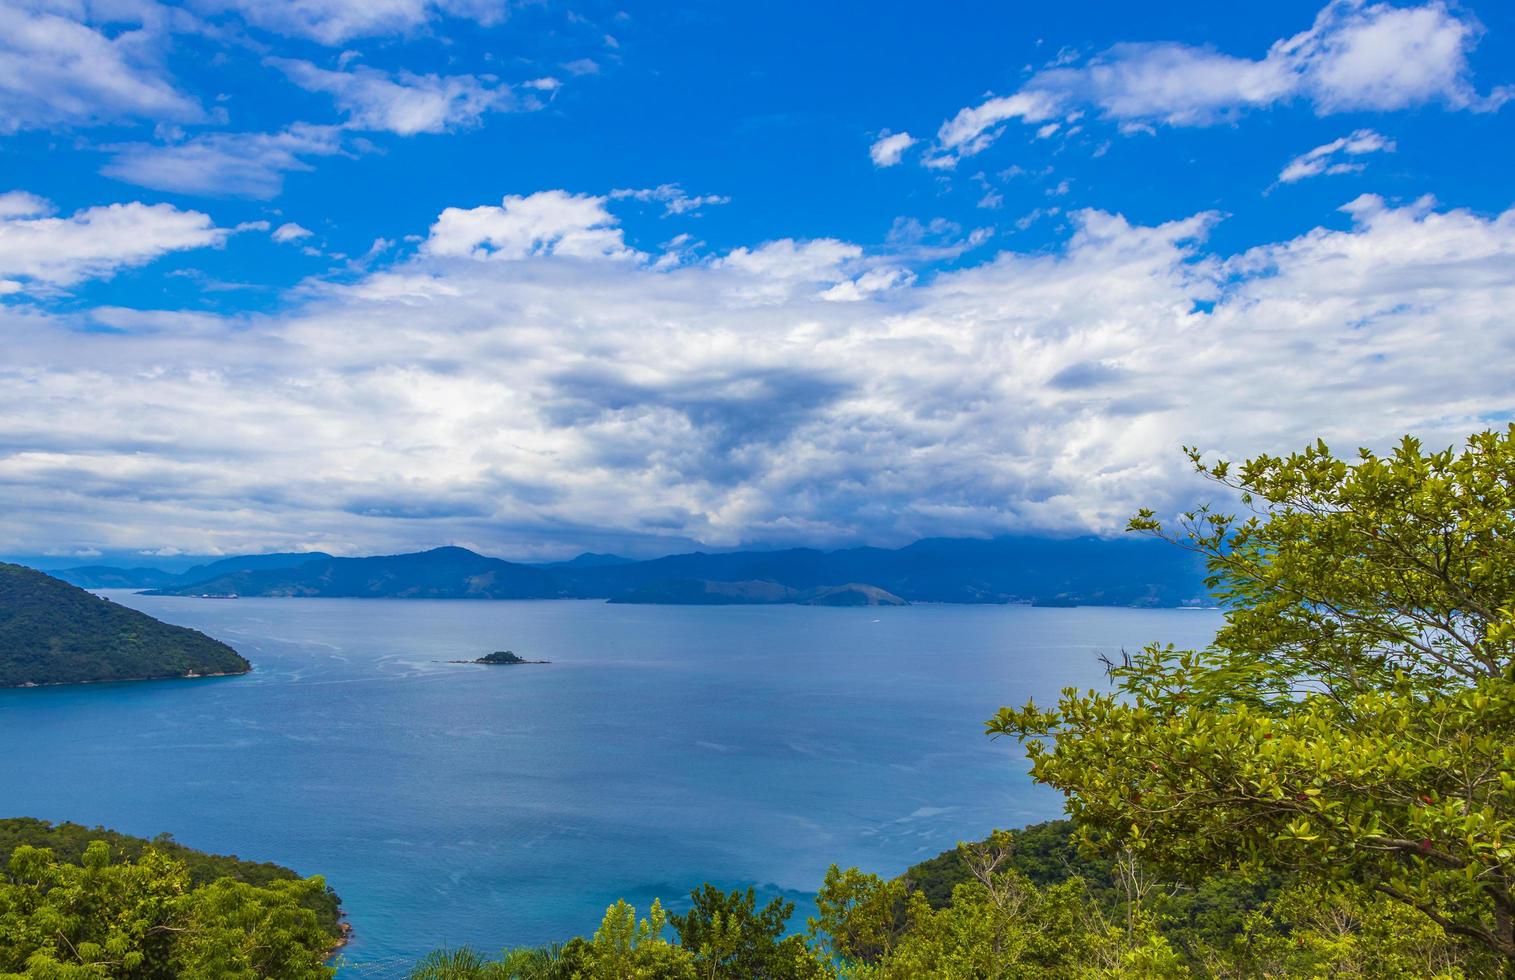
59	68
334	22
1356	56
224	164
404	103
576	393
39	250
1328	157
545	223
290	232
890	148
674	199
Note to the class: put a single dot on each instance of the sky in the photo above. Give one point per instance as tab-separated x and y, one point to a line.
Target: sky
538	278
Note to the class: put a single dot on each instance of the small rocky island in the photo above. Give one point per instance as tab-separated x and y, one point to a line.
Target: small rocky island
501	657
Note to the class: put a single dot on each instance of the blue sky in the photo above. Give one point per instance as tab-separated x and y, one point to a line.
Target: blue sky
541	277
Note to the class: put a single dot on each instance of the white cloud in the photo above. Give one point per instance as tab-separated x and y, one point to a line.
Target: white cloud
779	271
290	232
404	103
730	400
873	281
1356	56
889	148
58	70
545	223
973	128
224	164
1327	158
333	22
1361	56
40	250
675	199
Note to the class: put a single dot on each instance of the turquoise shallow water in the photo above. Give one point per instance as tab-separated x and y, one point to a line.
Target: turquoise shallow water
662	747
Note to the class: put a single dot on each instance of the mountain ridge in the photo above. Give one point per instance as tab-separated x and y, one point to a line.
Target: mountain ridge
1043	571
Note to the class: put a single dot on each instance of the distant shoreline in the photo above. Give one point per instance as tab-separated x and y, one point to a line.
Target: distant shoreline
126	680
1028	604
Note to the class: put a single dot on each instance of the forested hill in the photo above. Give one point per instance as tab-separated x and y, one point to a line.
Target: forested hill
68	842
54	633
1048	571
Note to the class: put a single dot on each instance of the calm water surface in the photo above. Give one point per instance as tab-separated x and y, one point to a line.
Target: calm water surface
662	747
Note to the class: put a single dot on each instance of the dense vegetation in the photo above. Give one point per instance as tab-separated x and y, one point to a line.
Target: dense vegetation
1354	721
55	633
69	841
1328	789
153	911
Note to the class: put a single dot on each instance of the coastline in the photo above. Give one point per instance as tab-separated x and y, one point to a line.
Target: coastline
127	680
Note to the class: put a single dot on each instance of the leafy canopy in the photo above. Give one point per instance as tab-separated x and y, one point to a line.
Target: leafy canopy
144	920
1354	721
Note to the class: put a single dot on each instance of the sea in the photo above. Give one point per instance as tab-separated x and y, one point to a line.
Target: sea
453	804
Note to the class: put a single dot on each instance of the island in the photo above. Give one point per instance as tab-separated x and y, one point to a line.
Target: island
55	633
501	657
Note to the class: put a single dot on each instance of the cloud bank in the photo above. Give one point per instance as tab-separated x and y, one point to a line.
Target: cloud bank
526	376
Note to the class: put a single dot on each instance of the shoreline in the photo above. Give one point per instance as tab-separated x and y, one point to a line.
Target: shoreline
610	600
29	685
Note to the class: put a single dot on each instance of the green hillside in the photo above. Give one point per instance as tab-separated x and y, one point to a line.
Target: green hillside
70	841
54	633
90	904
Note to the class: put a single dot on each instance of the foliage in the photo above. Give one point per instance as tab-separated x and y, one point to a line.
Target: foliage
730	938
1045	853
54	633
997	924
1353	725
145	920
516	964
1313	931
723	936
68	842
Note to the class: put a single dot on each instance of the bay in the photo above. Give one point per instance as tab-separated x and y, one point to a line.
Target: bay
663	746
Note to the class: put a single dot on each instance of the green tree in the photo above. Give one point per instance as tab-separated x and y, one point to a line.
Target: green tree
142	920
624	948
1354	720
860	916
732	940
1324	932
999	924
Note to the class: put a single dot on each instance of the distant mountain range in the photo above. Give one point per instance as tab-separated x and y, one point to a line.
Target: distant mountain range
1043	571
108	577
54	633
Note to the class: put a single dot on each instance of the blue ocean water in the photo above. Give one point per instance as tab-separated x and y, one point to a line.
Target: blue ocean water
662	747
